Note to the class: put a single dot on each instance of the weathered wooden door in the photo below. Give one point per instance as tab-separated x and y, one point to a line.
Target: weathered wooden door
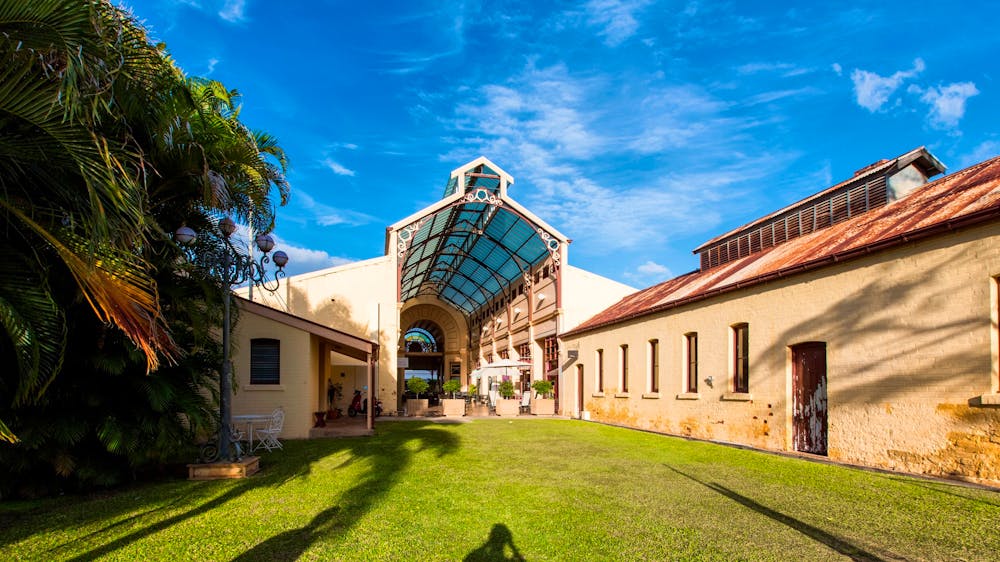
809	419
579	390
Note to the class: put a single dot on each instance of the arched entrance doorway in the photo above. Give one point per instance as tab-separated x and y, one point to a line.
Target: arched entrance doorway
423	348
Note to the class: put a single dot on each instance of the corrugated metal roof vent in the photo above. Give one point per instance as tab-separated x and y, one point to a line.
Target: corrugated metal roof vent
870	166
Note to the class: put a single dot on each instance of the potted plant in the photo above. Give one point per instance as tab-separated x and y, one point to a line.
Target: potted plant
416	406
507	406
333	392
453	407
543	404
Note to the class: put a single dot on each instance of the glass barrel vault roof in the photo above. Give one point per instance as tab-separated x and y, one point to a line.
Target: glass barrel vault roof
475	250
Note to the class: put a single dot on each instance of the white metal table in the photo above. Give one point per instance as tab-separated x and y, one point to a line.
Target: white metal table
249	420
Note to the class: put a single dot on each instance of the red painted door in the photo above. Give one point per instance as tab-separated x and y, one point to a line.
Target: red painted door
809	404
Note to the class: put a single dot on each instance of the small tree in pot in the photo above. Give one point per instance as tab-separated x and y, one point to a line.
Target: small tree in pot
507	407
452	386
416	406
542	388
507	389
544	406
453	407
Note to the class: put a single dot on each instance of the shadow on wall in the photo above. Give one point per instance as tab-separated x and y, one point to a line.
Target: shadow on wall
911	349
336	314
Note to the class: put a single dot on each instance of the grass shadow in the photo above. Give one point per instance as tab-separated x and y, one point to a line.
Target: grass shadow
836	543
495	547
146	531
390	454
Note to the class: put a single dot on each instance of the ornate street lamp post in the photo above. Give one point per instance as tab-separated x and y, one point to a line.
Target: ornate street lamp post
233	268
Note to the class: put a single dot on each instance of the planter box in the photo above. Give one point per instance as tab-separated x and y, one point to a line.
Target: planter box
416	406
247	466
508	408
543	407
453	407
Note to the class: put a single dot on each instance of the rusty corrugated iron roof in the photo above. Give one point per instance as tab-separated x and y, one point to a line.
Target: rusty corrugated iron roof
969	196
931	167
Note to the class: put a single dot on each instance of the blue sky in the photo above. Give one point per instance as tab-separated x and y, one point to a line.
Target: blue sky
640	129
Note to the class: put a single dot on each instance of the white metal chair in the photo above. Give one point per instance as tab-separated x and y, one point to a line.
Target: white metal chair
526	402
268	436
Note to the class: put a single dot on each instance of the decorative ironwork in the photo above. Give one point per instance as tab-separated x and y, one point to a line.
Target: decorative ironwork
483	195
229	264
552	245
405	237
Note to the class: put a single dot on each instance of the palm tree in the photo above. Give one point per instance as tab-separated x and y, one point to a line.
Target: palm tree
104	148
72	201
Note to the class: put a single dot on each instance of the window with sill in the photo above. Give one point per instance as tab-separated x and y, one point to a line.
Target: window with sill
599	370
654	366
741	358
551	354
691	362
265	361
623	368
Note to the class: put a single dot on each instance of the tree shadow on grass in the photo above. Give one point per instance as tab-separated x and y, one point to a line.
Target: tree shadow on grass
946	488
815	533
495	547
389	456
164	524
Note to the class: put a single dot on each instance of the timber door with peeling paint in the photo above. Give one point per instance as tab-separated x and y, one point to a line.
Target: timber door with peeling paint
809	404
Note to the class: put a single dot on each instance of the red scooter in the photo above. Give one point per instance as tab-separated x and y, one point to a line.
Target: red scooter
358	406
355	406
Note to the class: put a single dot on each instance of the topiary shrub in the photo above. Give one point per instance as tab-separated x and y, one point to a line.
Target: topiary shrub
507	389
416	385
452	386
543	387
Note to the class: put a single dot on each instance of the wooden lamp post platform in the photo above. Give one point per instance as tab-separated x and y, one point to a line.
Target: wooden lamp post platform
242	468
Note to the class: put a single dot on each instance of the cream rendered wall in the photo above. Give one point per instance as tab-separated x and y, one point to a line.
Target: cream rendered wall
908	334
584	294
297	393
358	298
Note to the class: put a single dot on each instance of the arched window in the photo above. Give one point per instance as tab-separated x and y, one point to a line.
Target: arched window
419	340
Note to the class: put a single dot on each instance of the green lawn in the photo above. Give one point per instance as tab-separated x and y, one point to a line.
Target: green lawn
552	489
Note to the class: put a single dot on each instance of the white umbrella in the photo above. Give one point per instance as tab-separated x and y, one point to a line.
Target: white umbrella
496	368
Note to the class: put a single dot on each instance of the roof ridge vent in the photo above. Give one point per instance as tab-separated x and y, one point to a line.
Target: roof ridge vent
870	167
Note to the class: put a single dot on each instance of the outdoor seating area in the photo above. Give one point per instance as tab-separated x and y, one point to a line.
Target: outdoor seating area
259	430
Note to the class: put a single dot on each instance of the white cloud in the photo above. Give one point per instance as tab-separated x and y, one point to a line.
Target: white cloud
446	41
212	63
947	102
561	129
839	70
304	260
758	67
768	97
648	274
984	151
616	18
326	215
872	91
233	11
338	168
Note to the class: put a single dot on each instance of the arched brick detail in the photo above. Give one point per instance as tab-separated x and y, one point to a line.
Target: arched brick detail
452	324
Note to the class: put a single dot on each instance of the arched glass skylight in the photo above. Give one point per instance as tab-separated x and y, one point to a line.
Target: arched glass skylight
420	340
